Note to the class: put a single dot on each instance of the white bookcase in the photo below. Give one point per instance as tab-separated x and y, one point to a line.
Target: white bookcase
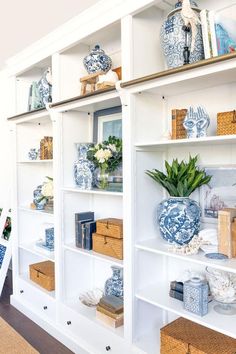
129	33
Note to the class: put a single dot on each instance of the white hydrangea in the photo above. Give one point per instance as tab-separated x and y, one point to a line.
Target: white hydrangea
103	155
47	189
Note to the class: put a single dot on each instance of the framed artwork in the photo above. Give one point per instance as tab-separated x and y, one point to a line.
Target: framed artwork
219	194
107	122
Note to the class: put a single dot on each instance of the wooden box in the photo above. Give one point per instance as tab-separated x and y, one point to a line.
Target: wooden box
183	336
227	232
110	227
226	123
43	274
109	246
178	130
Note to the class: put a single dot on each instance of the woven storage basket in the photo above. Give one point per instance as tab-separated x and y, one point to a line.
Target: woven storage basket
226	123
185	337
110	227
43	274
109	246
178	130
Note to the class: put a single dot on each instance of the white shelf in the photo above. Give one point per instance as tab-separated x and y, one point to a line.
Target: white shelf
210	140
34	161
158	295
158	246
149	342
71	247
26	278
32	249
92	191
34	211
90	314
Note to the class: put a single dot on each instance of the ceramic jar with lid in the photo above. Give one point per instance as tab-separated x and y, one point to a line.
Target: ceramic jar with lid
97	61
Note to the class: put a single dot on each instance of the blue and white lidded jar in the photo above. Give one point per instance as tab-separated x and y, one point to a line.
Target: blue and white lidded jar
83	168
97	61
196	296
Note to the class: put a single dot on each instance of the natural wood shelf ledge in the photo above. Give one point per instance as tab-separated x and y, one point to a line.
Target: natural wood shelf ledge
17	116
178	70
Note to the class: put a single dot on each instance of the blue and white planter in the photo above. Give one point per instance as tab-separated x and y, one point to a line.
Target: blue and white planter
173	38
179	219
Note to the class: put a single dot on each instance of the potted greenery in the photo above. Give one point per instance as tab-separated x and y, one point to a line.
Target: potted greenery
179	216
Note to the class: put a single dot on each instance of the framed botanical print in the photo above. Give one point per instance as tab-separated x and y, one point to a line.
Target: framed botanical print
107	122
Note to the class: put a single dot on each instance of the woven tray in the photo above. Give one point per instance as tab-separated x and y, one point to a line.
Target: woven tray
110	227
226	123
109	246
183	336
43	274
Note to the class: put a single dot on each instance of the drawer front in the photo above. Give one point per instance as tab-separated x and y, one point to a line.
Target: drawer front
39	301
98	340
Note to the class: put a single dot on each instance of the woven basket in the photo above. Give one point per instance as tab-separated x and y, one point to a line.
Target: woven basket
43	274
110	227
109	246
178	130
226	123
185	337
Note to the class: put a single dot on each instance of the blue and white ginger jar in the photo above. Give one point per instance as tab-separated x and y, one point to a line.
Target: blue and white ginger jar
45	87
33	154
173	38
39	200
179	219
114	285
97	61
83	168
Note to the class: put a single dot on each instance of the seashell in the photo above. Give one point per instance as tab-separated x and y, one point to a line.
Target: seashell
91	298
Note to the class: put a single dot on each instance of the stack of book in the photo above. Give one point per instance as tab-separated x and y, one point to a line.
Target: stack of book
110	310
177	290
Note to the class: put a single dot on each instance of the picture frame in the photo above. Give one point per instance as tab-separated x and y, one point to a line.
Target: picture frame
107	122
219	193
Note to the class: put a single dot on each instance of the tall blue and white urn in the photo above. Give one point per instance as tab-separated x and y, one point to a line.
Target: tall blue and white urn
114	285
176	40
97	61
179	219
83	168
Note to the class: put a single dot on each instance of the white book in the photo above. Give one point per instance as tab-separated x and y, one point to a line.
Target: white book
211	17
206	34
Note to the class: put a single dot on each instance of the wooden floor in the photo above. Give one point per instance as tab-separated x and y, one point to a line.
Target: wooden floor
34	334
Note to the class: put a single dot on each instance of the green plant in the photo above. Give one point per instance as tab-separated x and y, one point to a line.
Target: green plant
182	178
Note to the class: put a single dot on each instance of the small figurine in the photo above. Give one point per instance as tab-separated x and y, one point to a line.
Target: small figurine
196	122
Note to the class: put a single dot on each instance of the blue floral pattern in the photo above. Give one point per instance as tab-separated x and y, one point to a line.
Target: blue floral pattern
114	285
2	254
84	168
97	61
179	219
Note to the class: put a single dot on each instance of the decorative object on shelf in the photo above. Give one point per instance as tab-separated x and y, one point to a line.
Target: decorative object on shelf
196	122
107	157
2	253
226	123
181	35
178	130
196	296
7	227
114	285
43	274
83	167
33	154
47	193
91	298
90	80
191	248
108	246
210	240
45	87
97	61
227	231
34	100
46	148
84	221
179	216
225	44
49	237
112	227
217	256
110	310
223	289
176	290
184	336
38	201
107	80
219	194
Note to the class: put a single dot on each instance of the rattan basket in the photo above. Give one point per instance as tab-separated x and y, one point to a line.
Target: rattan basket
185	337
43	274
226	123
109	246
110	227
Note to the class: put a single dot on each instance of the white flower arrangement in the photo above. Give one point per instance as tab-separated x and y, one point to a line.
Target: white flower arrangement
47	188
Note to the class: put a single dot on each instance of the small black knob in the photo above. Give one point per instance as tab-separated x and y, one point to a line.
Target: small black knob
45	307
108	348
68	322
21	291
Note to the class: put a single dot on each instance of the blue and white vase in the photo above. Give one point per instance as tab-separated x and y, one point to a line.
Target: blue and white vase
196	296
49	238
33	154
173	38
114	285
179	219
84	168
196	122
38	200
97	61
45	87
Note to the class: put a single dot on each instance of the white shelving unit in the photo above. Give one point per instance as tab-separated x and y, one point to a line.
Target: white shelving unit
127	30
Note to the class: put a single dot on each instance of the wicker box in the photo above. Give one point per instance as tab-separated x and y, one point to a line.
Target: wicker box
43	274
183	336
226	123
178	130
109	246
110	227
